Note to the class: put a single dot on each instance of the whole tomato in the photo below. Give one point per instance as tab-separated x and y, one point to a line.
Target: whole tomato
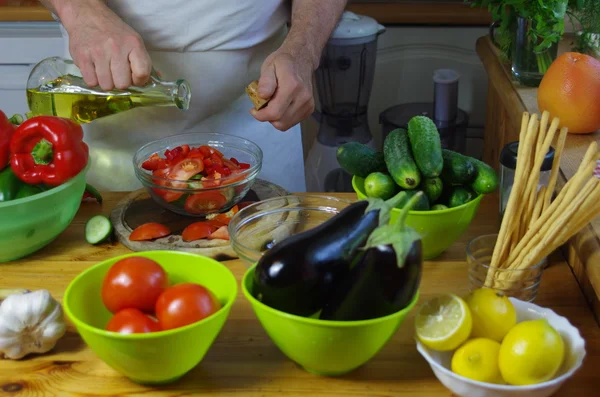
132	321
134	282
184	304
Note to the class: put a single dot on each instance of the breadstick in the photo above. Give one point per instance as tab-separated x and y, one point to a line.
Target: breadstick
509	206
572	225
555	228
539	204
515	202
558	150
566	195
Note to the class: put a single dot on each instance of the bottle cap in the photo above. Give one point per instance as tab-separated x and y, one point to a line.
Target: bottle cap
508	157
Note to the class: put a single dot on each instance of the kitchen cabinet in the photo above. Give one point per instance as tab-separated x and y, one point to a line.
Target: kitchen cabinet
22	45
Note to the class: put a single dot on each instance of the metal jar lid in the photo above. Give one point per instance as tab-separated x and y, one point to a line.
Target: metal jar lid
508	157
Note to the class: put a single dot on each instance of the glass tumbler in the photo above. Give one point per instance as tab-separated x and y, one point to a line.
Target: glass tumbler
522	284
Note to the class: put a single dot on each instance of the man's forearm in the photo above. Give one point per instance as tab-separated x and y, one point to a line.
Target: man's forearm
312	24
69	10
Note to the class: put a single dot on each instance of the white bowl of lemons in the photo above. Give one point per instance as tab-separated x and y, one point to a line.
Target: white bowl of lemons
488	345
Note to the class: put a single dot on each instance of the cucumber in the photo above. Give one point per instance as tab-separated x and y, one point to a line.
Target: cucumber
422	204
458	169
438	207
426	146
460	195
432	187
486	180
97	229
399	160
358	159
380	185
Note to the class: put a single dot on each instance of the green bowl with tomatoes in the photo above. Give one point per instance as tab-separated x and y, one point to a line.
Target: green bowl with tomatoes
198	174
162	356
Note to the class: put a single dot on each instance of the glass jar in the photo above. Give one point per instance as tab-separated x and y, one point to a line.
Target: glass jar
529	66
55	88
522	284
508	165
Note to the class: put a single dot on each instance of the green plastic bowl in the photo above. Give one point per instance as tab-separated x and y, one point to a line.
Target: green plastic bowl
321	347
29	224
439	229
159	357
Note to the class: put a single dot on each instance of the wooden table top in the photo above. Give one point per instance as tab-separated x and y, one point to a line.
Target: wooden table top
243	361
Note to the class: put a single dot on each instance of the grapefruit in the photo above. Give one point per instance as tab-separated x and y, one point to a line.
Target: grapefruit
570	90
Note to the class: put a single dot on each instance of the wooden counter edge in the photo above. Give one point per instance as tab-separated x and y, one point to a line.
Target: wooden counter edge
385	13
583	250
24	14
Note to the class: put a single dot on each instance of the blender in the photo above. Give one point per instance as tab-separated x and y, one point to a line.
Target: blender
344	80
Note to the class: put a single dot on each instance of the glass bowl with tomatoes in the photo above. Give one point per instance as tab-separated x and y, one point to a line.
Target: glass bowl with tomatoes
198	174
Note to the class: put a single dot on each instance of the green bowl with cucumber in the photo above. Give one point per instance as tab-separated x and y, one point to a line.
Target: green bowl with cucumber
33	216
413	160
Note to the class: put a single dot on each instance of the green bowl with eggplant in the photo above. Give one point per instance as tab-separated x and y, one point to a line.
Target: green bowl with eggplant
35	215
331	297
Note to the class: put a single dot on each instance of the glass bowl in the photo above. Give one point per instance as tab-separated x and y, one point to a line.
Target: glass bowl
196	197
258	227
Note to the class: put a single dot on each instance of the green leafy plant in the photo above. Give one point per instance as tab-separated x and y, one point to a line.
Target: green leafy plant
547	24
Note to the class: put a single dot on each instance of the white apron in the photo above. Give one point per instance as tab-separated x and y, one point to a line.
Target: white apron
217	70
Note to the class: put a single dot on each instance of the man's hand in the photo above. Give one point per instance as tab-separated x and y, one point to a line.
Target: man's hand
108	52
287	80
286	75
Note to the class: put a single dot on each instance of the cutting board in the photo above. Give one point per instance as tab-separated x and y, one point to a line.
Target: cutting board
138	208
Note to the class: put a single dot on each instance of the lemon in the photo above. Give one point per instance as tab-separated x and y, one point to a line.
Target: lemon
477	359
443	323
532	352
493	314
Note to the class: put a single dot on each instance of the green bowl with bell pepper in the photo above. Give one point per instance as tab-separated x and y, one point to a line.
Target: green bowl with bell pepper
32	215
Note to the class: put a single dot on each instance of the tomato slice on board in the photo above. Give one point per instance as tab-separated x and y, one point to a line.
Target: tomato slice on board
225	217
221	233
197	231
149	231
199	203
214	223
132	321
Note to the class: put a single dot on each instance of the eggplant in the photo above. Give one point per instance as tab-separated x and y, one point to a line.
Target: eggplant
298	274
377	285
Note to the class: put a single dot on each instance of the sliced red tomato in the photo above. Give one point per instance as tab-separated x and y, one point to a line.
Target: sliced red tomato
154	162
196	153
214	223
166	194
132	321
199	203
209	150
197	231
225	217
186	168
230	164
149	231
221	233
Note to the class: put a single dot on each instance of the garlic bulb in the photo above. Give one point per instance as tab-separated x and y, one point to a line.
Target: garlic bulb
30	323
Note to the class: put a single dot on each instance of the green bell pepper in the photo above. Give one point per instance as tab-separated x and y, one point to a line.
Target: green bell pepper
28	190
9	185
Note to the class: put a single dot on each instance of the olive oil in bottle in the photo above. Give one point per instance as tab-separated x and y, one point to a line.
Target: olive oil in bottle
68	96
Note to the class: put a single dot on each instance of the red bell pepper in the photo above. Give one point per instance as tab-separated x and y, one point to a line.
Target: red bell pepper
7	129
47	149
